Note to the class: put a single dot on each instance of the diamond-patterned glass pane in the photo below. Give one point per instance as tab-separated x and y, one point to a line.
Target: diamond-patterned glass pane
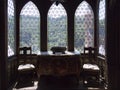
57	26
102	27
30	27
11	29
84	27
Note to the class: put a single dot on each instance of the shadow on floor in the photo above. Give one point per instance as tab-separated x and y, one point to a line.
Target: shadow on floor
59	83
25	82
53	83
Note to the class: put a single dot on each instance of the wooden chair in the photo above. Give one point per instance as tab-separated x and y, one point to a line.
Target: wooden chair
90	67
26	67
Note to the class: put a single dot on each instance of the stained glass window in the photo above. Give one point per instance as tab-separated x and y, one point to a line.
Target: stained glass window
84	27
30	27
57	26
11	29
102	27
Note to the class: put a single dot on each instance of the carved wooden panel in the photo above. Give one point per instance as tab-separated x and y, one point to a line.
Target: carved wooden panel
58	65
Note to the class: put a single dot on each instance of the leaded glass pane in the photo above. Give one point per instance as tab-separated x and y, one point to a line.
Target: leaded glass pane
11	29
30	27
102	27
84	27
57	26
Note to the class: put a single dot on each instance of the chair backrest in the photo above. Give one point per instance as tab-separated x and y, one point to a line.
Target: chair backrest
90	53
25	50
24	55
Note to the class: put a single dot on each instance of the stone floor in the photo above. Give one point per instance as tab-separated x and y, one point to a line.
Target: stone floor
54	83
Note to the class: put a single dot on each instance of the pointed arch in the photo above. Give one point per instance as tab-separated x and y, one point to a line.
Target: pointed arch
30	27
84	27
30	9
11	28
57	26
102	25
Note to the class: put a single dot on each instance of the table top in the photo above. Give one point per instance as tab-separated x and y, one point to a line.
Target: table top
59	54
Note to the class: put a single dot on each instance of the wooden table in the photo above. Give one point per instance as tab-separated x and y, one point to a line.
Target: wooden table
58	64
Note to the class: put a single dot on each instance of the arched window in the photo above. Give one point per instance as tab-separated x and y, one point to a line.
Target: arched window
84	27
102	27
11	29
30	27
57	26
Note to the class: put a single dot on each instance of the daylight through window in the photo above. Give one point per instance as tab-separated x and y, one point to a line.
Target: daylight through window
57	26
102	27
11	29
84	27
30	27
